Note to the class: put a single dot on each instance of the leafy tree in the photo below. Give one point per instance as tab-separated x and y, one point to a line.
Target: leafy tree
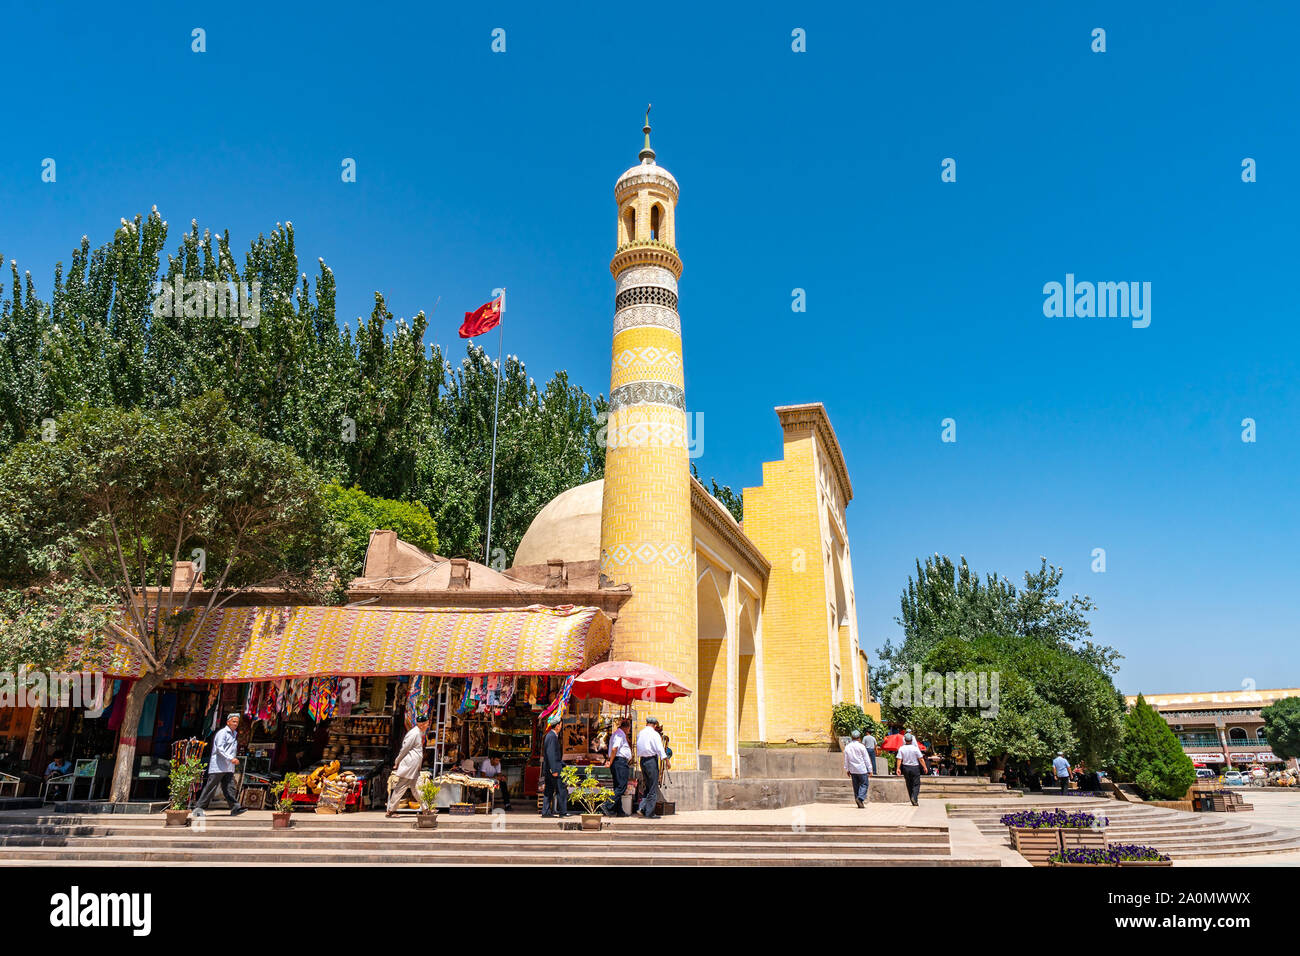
1282	727
729	499
1151	755
359	514
370	407
123	496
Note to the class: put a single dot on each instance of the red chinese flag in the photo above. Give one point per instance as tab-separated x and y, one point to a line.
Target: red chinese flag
483	319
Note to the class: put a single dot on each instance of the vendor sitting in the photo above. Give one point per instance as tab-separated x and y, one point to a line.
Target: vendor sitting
491	768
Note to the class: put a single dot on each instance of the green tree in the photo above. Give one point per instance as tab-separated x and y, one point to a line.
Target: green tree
1151	755
1282	727
123	496
729	499
359	514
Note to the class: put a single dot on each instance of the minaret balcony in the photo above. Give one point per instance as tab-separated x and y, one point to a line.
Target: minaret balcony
646	252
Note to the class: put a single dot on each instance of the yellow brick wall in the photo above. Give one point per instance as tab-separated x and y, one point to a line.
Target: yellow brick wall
781	518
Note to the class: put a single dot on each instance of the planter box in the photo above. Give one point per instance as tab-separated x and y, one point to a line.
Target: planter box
1037	844
1146	862
426	821
591	821
1091	866
282	821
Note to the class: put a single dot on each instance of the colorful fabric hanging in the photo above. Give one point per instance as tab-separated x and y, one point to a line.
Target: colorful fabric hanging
557	706
296	695
419	698
323	699
266	701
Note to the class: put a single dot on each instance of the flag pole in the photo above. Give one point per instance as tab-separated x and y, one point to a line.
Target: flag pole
496	409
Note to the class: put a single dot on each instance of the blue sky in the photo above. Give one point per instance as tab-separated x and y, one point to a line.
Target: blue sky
816	170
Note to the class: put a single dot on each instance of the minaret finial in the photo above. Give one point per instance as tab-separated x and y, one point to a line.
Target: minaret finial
647	154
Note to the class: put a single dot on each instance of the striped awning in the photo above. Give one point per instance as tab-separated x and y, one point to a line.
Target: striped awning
270	643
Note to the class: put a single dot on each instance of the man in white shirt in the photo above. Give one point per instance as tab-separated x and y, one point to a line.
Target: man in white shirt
858	766
911	765
410	758
649	751
491	768
221	768
620	765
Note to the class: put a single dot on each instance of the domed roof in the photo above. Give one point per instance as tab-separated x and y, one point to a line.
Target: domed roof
567	528
648	172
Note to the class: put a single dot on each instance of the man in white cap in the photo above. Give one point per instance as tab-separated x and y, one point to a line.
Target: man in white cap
857	764
406	769
649	751
911	765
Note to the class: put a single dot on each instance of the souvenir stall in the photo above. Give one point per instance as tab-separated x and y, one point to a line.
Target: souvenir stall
327	692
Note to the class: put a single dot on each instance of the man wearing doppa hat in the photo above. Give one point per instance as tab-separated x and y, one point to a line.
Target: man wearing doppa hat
649	751
555	795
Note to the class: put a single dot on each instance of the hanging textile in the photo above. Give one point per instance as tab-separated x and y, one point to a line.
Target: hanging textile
323	699
419	698
147	715
123	688
560	702
296	695
266	701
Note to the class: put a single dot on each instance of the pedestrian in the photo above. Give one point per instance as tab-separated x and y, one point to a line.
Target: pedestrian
1061	767
857	764
555	793
869	742
221	768
911	765
410	758
620	765
649	751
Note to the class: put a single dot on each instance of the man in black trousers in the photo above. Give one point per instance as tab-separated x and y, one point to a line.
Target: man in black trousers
619	763
555	795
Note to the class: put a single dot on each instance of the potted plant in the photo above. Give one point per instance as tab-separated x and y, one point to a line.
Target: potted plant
180	786
588	793
427	818
282	817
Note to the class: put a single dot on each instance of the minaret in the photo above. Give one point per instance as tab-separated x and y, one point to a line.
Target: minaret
645	536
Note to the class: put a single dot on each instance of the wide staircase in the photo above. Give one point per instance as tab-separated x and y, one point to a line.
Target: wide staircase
37	838
837	789
1178	833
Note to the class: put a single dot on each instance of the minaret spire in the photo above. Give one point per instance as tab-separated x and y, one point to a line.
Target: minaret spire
647	154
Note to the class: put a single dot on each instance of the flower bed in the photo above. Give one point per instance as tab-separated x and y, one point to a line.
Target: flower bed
1121	854
1057	819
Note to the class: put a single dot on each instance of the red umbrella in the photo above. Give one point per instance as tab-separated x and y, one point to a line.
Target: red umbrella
621	682
894	741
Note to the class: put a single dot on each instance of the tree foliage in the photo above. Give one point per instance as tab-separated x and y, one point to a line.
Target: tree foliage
1282	727
359	514
1151	755
372	407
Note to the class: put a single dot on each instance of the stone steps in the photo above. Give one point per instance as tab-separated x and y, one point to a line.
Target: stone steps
1178	833
43	839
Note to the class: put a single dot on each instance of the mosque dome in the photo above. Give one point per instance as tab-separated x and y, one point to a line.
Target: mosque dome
567	528
646	173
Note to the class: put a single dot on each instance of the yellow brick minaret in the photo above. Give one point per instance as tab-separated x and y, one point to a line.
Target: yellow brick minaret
645	534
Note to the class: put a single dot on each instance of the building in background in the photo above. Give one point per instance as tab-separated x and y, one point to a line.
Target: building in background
1222	730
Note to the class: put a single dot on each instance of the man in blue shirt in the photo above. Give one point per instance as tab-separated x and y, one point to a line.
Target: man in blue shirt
1061	767
221	768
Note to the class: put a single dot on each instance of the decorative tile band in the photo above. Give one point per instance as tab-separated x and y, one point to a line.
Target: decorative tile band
642	393
645	275
647	552
638	315
646	295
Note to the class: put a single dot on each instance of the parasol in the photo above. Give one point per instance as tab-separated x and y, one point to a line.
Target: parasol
894	741
621	682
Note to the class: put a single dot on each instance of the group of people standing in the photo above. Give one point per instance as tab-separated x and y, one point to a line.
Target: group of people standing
652	754
860	764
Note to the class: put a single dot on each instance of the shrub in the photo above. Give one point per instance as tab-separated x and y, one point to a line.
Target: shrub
1152	757
1043	819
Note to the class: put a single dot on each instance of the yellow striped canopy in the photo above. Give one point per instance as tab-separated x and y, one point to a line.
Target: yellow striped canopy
270	643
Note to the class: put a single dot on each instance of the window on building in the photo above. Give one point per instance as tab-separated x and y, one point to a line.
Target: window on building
1237	734
629	223
655	215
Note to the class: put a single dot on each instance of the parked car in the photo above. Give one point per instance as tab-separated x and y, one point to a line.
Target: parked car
1235	778
1205	773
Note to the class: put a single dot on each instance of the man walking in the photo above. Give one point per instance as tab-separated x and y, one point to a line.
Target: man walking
858	766
649	751
410	758
911	765
1061	767
221	768
869	742
555	794
620	765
